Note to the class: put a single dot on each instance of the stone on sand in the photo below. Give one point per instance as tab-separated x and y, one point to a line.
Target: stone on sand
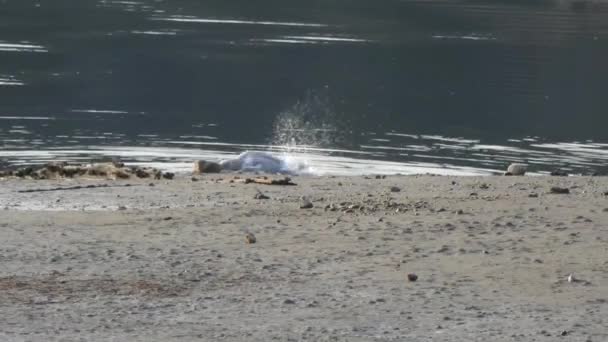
250	238
516	169
204	166
558	190
306	204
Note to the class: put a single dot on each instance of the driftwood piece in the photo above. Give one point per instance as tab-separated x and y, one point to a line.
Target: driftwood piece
77	187
269	181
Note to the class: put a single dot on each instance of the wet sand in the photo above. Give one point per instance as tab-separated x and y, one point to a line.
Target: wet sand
170	262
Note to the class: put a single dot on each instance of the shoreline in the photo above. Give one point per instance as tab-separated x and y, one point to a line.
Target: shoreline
171	261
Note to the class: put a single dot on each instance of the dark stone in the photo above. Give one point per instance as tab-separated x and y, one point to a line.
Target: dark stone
559	173
412	277
203	166
168	175
261	196
558	190
24	172
141	173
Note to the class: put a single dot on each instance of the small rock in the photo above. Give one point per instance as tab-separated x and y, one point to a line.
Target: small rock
516	170
412	277
203	166
168	175
558	190
289	301
151	184
260	195
395	189
168	218
564	333
55	258
460	212
559	173
122	207
533	195
121	174
250	238
194	179
141	173
306	204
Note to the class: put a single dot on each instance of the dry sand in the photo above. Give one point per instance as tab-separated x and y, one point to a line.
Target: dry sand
170	262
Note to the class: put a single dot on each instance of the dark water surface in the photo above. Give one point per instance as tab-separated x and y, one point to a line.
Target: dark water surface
410	85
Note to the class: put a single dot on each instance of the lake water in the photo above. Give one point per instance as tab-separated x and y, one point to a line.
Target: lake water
350	87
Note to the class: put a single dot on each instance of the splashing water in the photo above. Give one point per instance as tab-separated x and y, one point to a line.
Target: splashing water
309	123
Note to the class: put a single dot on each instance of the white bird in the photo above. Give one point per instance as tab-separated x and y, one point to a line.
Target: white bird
571	278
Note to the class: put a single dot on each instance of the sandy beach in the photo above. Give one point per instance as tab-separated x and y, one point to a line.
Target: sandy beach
168	260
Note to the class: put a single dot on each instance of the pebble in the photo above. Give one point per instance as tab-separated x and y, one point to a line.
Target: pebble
533	195
289	301
306	204
260	195
412	277
516	170
55	258
250	238
395	189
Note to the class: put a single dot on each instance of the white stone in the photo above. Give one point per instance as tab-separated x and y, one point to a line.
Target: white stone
517	169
